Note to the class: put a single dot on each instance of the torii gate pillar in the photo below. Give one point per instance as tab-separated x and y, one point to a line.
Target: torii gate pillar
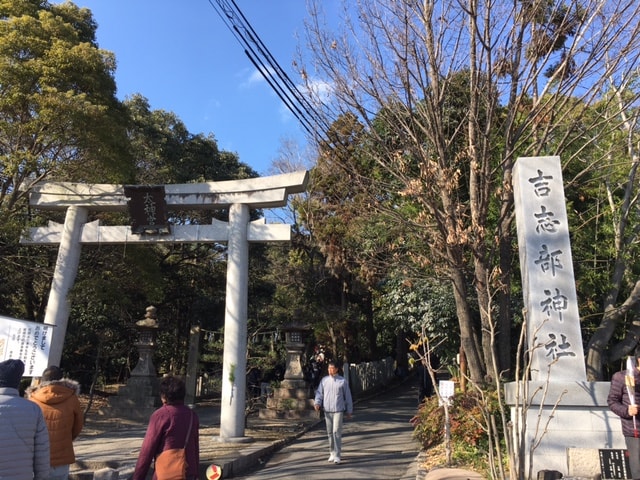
235	326
57	312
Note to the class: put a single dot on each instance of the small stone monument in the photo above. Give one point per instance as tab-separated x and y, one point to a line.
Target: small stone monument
294	398
140	396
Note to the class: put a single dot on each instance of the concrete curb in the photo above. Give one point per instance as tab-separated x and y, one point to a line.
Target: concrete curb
246	459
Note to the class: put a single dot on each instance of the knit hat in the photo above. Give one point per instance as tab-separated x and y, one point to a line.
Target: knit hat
10	373
51	374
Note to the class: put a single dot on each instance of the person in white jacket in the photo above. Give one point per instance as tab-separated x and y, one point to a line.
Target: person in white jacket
24	438
334	397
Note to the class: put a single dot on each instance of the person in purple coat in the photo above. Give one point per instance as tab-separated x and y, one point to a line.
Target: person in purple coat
623	399
168	428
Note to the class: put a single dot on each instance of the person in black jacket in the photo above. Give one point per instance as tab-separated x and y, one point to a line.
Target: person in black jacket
623	399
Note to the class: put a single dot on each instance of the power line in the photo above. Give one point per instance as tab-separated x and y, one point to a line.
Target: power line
269	68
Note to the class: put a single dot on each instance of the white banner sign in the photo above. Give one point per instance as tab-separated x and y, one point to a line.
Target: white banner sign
447	388
26	341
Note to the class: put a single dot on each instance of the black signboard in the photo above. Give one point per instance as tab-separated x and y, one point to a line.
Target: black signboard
614	464
148	209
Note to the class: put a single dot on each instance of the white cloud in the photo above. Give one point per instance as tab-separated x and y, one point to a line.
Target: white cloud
320	89
255	78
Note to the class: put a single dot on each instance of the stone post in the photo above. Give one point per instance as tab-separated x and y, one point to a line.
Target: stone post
64	276
556	410
234	366
192	364
548	284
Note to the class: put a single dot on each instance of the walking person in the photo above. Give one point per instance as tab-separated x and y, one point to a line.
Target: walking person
623	399
334	396
58	399
172	426
24	440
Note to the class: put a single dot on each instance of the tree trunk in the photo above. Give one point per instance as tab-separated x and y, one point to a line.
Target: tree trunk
505	246
371	329
468	336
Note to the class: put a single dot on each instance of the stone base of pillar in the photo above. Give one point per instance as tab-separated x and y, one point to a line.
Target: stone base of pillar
137	400
234	439
561	418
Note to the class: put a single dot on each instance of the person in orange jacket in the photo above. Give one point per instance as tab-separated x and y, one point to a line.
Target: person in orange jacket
58	399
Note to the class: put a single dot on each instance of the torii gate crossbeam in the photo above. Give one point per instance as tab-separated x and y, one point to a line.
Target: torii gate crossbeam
237	195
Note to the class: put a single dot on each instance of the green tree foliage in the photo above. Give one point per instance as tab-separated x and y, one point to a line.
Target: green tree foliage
607	210
424	307
166	152
353	237
58	112
59	119
304	291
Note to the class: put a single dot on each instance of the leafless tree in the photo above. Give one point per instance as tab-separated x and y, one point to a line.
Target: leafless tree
452	92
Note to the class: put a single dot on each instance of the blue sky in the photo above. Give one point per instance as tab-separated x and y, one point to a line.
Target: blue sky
182	57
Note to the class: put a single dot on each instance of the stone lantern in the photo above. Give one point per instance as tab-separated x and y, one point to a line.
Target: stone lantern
147	330
140	397
294	398
295	337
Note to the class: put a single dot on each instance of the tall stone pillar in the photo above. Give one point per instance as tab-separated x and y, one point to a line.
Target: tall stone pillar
234	384
192	364
549	288
555	411
64	276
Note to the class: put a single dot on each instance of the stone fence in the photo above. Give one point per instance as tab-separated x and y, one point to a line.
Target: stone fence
363	378
369	376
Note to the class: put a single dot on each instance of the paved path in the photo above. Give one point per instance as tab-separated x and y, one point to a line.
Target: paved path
377	444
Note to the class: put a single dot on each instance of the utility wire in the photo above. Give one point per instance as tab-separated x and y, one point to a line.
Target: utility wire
278	69
263	60
281	84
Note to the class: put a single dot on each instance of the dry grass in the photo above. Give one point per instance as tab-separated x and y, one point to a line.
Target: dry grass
435	458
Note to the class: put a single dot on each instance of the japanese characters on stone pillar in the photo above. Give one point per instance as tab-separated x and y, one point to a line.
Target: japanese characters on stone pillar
553	328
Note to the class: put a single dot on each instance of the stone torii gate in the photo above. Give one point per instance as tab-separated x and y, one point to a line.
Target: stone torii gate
239	196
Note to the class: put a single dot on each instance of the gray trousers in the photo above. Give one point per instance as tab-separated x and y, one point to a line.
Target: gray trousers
333	421
633	449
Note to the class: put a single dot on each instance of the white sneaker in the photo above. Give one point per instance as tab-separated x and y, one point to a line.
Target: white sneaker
336	460
331	458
